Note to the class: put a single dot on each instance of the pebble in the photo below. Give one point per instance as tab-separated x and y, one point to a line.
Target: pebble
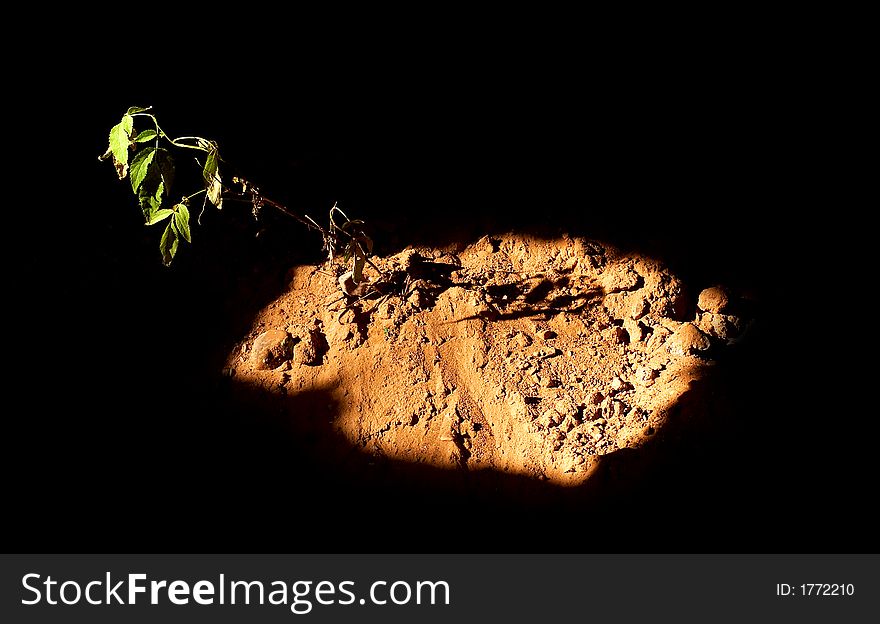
713	300
547	334
449	427
687	340
271	349
719	326
596	398
638	308
634	329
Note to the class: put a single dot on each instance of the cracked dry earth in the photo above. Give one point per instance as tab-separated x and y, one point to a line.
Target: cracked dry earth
517	354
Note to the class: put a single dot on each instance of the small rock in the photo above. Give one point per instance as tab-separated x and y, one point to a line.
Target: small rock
271	349
721	326
638	307
713	300
596	398
634	329
549	382
547	334
449	427
687	340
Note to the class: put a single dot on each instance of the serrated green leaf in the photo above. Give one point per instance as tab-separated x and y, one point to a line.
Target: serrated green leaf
146	135
168	244
136	109
154	174
181	220
140	167
213	183
160	215
119	141
151	201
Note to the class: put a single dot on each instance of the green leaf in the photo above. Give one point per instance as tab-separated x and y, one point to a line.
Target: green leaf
140	167
151	202
168	244
181	221
136	109
146	135
152	171
160	215
213	183
119	141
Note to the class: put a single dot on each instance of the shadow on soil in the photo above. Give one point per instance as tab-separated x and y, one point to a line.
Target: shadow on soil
294	453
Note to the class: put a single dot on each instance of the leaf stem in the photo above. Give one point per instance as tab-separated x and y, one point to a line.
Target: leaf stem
176	142
189	197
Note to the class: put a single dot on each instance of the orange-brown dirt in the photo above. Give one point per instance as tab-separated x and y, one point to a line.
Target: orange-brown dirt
512	354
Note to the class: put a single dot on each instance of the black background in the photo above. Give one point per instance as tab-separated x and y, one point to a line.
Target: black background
118	435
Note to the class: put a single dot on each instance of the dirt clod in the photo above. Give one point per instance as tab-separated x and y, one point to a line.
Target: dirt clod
687	340
714	300
270	349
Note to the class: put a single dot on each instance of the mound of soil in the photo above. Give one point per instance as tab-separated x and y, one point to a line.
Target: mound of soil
514	354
